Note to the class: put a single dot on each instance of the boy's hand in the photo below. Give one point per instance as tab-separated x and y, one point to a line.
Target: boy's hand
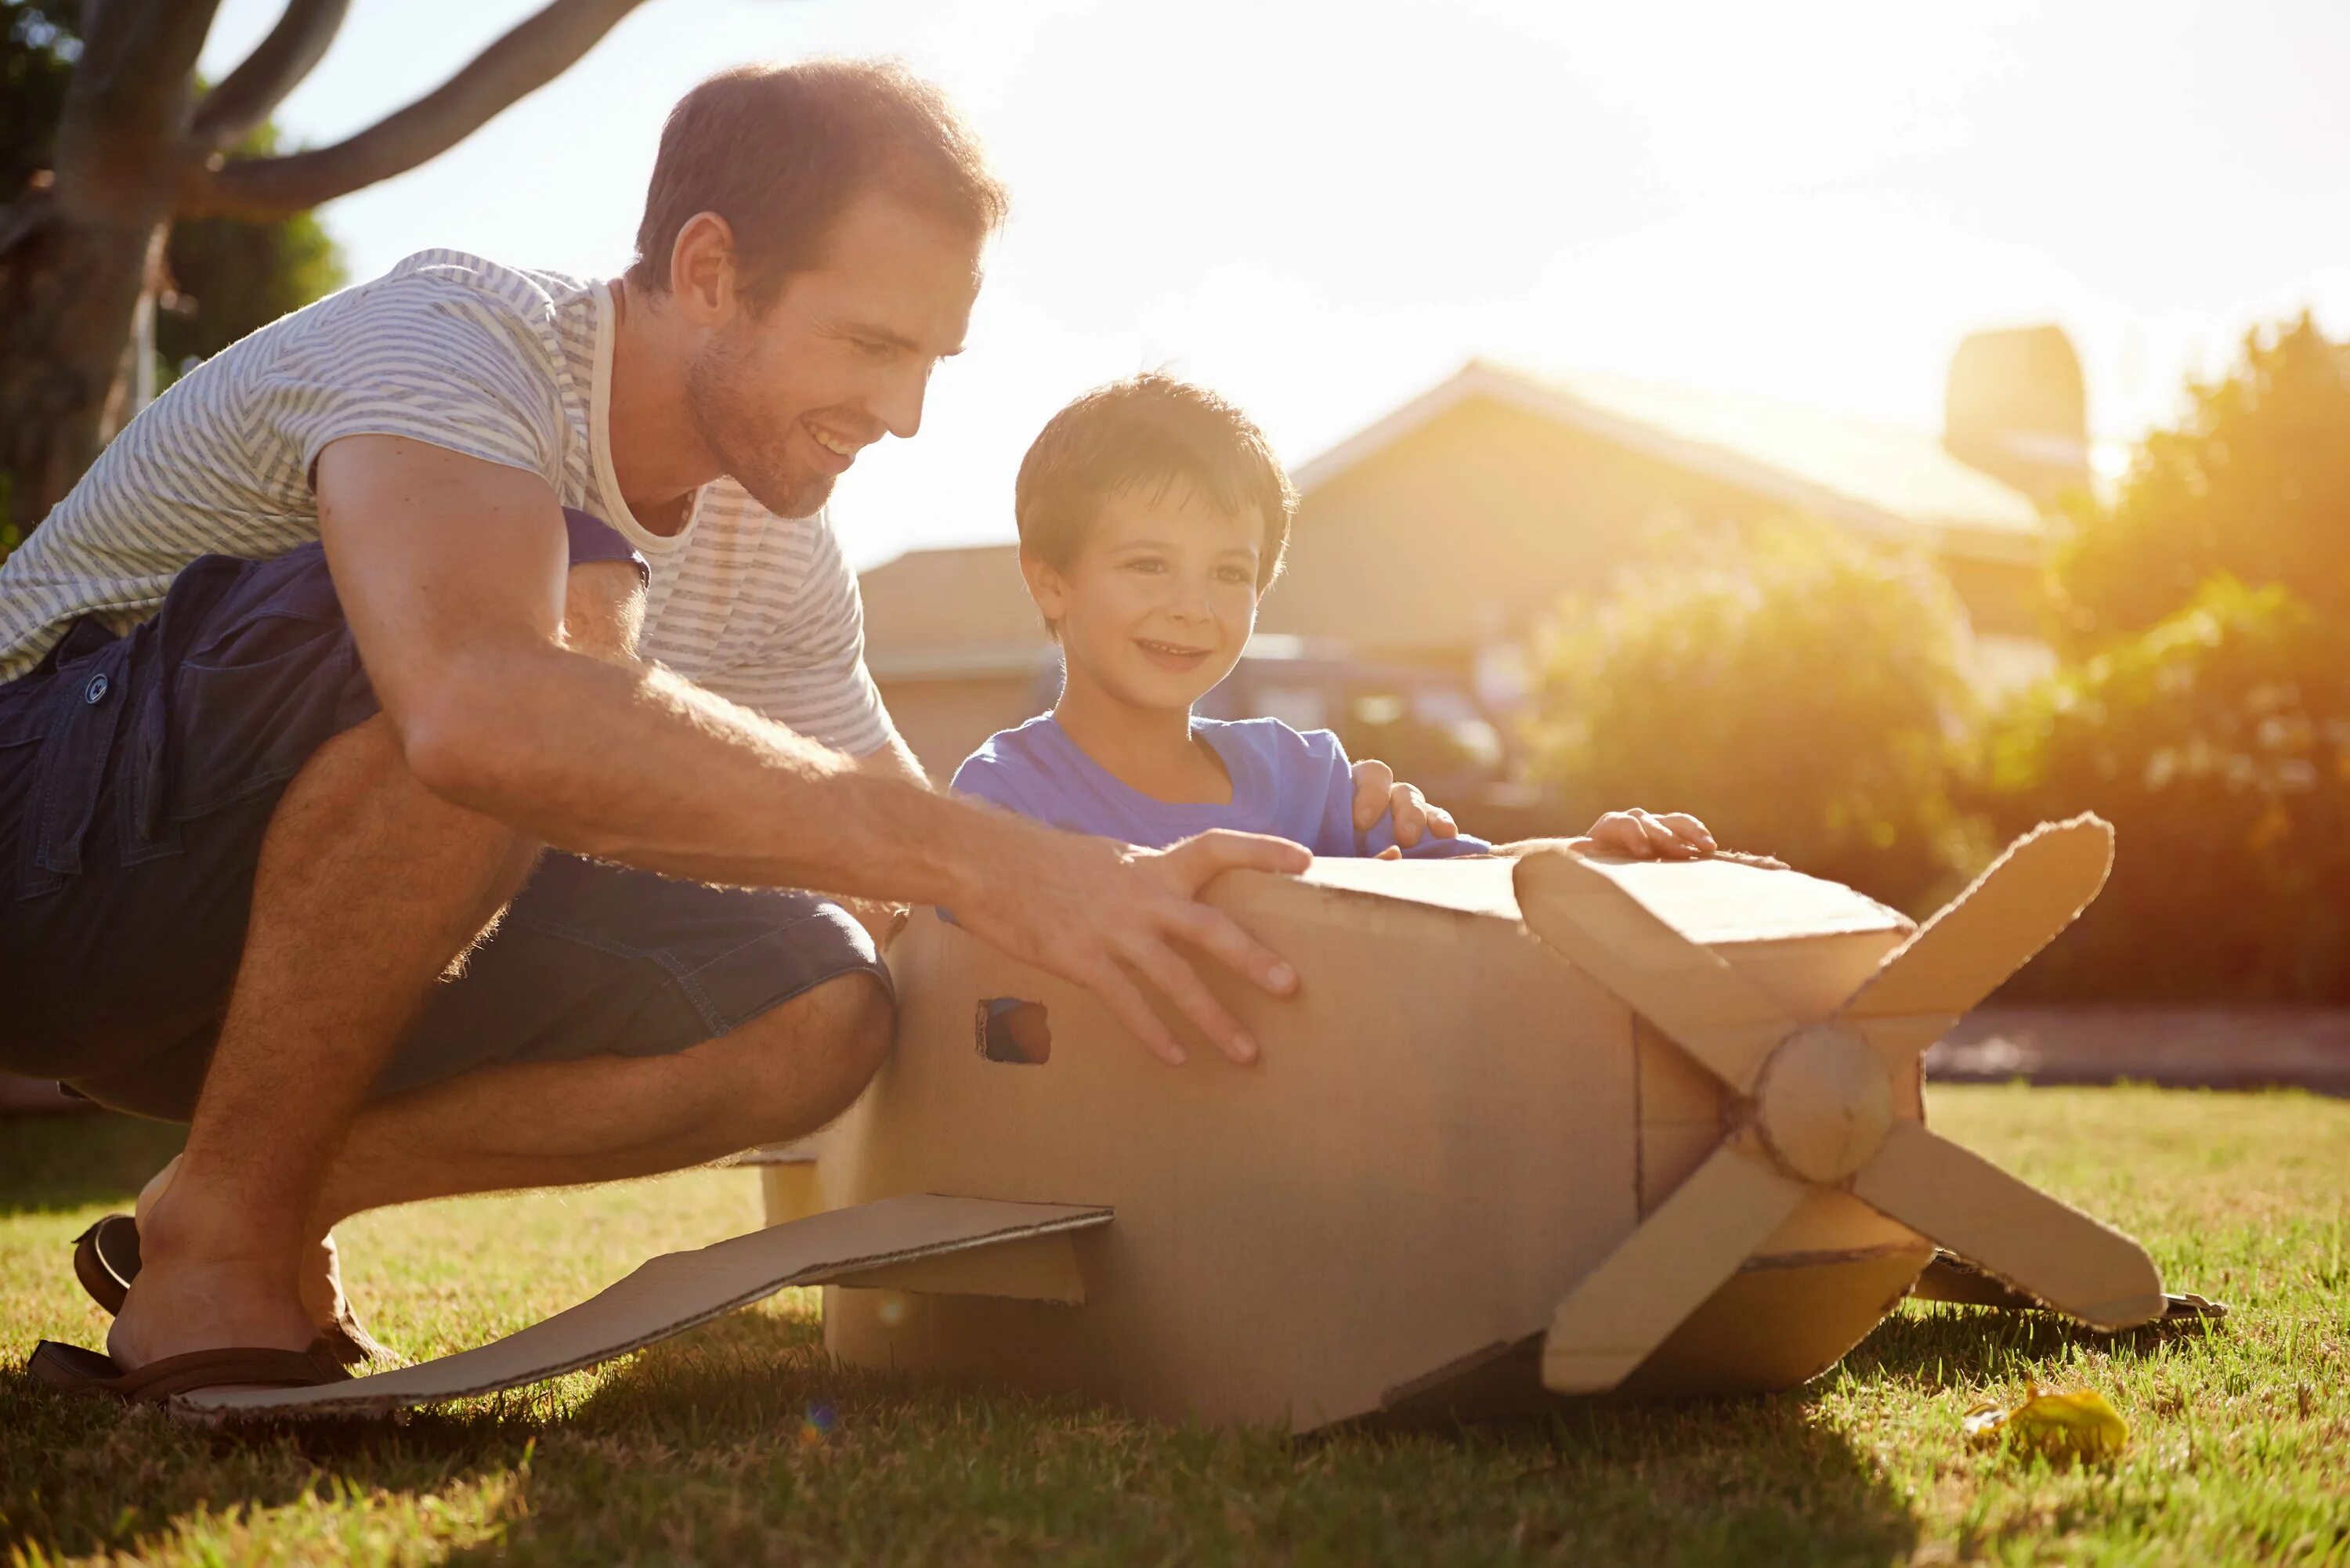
1376	794
1104	915
1638	836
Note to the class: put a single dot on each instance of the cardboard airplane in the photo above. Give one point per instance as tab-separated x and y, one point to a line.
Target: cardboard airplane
1530	1127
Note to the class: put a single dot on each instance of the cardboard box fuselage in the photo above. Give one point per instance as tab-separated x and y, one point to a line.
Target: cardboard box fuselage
1449	1128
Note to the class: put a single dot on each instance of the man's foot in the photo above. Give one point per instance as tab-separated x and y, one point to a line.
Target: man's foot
204	1284
320	1281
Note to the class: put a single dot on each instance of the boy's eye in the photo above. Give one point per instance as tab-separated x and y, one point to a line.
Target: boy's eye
1236	575
1146	564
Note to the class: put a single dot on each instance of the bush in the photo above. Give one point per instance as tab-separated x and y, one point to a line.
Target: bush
2217	742
2205	706
1801	692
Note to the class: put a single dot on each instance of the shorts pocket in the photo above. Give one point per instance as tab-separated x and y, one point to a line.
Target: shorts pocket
249	716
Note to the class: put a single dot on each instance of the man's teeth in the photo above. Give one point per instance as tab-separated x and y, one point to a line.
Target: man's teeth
832	444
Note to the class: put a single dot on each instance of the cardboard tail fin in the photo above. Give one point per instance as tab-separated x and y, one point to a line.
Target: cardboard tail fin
680	1291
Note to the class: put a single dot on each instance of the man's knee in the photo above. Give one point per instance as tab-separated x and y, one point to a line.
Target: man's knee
604	608
801	1064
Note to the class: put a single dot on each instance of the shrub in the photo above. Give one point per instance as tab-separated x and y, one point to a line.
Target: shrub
2217	742
1801	690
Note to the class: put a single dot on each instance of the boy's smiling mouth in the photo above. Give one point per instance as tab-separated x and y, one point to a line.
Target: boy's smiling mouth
1172	655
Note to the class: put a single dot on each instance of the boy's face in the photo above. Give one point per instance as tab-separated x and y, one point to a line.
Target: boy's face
1159	599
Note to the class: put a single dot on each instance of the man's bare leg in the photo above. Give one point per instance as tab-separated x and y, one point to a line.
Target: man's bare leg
602	1118
367	886
605	1118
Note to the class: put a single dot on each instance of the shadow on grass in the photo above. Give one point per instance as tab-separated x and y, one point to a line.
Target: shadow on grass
742	1441
1949	1345
53	1163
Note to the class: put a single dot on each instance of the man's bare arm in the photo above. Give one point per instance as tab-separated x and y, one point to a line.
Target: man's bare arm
451	572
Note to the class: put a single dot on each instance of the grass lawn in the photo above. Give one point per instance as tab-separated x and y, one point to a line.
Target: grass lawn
738	1443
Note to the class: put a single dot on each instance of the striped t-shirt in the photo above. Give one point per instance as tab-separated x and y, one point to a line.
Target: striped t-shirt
511	366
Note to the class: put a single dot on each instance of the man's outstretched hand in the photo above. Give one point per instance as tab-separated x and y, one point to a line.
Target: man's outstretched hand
1105	915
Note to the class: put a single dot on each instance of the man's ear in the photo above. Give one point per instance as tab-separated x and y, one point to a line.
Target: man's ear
1047	586
702	278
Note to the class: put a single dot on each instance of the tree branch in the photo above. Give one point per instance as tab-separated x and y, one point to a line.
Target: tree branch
127	102
247	95
526	59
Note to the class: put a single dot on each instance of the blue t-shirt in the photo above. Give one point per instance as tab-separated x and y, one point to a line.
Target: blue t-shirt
1291	785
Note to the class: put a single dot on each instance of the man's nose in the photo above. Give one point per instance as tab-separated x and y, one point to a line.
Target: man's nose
900	404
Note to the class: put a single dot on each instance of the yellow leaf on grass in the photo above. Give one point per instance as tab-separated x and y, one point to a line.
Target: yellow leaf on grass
2077	1424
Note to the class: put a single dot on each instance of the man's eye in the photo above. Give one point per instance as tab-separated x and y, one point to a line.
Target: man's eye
871	346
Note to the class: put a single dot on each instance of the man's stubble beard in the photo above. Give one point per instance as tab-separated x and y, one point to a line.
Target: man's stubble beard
718	395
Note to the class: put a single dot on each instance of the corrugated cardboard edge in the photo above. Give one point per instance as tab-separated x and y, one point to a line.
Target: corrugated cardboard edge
669	1295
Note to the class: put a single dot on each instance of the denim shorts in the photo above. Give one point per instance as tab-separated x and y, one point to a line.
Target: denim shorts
138	775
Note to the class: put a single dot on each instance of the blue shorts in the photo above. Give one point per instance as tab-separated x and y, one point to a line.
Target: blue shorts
138	774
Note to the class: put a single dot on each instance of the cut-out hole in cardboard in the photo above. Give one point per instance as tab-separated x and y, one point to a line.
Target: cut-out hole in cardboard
1011	1030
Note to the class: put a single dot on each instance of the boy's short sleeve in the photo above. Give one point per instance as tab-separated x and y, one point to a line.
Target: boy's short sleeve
984	776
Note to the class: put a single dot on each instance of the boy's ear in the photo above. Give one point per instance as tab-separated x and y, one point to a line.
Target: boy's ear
1046	585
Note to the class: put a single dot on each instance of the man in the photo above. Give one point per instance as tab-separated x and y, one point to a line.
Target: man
319	692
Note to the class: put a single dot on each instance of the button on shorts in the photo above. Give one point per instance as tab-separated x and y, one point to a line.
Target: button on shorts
138	775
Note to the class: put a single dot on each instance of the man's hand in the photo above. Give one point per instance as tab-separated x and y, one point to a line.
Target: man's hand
1377	793
1638	836
1105	915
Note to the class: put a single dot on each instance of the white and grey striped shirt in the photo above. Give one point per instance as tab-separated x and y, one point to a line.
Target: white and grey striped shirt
511	366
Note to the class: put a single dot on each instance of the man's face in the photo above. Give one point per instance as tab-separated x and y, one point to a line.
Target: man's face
1159	599
786	399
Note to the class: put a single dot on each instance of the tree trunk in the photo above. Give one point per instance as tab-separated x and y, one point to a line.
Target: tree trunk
78	255
69	295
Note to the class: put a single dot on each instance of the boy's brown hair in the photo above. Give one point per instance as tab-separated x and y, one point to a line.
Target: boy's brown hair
780	151
1148	431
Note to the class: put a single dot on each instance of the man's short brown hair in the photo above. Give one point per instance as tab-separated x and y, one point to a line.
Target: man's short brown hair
780	151
1148	431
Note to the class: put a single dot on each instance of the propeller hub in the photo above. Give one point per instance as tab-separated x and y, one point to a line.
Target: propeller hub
1824	1103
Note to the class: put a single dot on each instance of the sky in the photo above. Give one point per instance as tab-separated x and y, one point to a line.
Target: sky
1322	209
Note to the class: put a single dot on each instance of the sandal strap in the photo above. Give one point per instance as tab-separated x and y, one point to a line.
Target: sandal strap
239	1367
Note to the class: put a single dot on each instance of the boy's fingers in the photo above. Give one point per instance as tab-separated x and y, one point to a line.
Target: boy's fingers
1411	813
1440	823
1124	998
1389	853
1373	784
1689	830
1177	983
1661	839
1214	933
1620	832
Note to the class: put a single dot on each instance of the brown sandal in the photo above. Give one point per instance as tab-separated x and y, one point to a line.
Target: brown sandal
105	1260
71	1369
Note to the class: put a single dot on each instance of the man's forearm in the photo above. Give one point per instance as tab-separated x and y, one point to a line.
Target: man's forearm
633	763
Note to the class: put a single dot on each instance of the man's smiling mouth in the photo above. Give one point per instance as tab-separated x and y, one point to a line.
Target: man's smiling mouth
832	444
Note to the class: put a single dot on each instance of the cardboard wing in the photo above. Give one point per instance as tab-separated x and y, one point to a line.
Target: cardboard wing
886	1244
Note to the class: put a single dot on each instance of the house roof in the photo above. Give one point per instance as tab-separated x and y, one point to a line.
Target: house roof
1881	478
961	610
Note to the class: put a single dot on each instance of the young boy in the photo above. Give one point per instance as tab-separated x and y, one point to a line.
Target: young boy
1152	518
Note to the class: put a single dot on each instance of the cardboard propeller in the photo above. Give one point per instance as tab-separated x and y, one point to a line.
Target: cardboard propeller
1815	1105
